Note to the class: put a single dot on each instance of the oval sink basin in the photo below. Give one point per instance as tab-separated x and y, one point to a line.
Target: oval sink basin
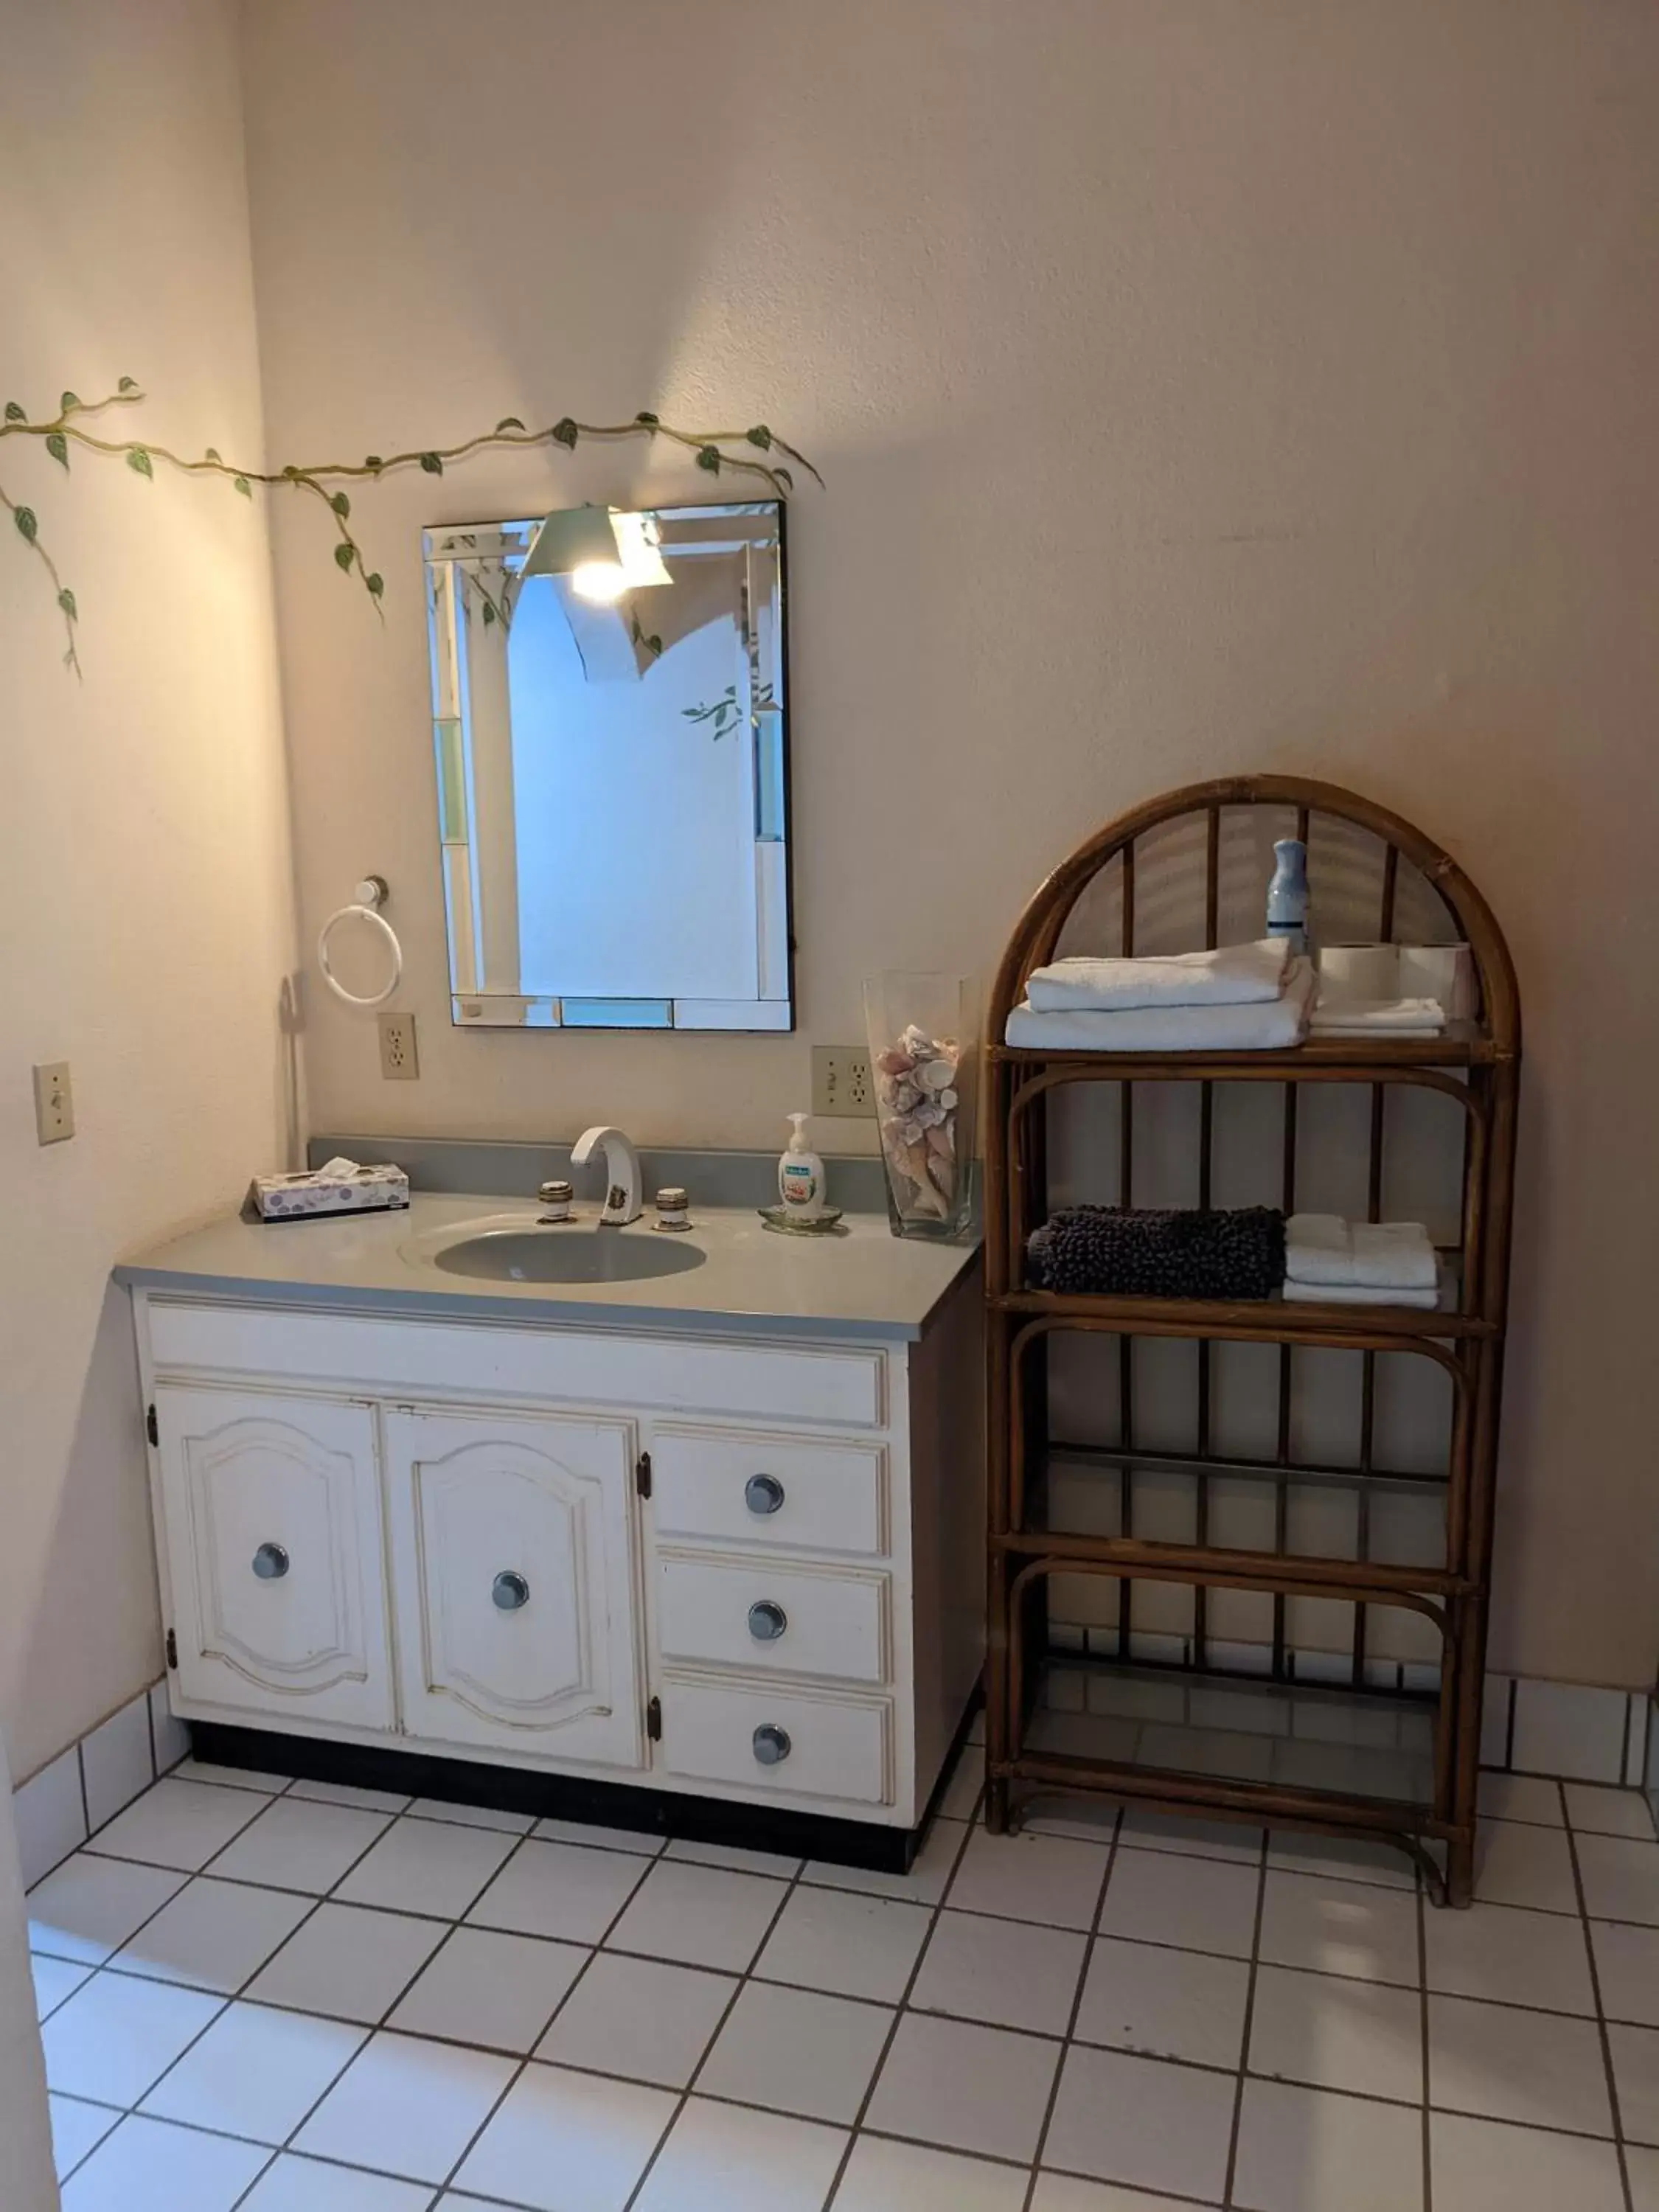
569	1256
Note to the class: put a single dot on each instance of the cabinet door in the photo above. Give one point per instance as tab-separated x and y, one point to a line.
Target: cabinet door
514	1572
272	1527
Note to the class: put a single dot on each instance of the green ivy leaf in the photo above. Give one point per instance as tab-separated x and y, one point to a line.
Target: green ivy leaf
508	422
376	583
24	518
341	504
649	420
139	460
66	600
655	643
243	486
128	384
565	433
432	464
489	612
708	457
344	555
760	435
14	413
373	461
68	401
213	454
57	446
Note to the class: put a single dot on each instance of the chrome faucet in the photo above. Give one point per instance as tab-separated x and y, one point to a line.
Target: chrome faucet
623	1201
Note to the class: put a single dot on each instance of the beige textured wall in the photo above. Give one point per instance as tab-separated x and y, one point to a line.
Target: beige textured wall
1201	384
146	896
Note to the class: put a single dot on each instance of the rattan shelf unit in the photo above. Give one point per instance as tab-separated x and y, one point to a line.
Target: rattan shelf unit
1196	1721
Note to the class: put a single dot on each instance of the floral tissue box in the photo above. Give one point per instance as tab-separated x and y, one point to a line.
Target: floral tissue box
337	1186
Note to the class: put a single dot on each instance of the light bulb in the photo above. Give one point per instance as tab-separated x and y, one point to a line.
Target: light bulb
603	582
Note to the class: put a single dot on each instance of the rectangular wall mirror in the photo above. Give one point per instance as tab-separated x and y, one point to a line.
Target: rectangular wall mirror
613	779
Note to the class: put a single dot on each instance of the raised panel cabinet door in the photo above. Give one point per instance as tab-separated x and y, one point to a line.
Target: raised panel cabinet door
272	1512
513	1573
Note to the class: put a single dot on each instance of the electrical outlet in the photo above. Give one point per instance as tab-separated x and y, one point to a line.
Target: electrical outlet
841	1079
54	1103
400	1059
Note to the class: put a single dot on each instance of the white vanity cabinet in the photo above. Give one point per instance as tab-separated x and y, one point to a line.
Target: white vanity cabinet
703	1563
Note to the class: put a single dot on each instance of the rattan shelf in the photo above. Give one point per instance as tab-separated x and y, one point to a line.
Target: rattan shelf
1265	1731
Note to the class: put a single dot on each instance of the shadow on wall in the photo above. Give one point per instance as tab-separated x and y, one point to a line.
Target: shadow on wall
99	1540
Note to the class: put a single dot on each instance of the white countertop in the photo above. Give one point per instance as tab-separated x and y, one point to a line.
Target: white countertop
862	1282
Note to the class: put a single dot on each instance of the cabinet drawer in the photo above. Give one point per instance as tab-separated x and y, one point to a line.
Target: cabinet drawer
830	1749
773	1619
818	1496
401	1354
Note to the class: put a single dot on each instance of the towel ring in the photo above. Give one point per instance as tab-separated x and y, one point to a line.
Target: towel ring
371	896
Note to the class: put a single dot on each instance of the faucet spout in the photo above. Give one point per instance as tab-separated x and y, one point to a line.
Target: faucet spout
623	1202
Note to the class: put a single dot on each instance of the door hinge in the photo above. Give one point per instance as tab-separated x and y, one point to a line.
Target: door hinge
642	1475
173	1648
152	1427
653	1720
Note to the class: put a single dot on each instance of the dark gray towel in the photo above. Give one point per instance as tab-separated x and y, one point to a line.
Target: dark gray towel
1137	1252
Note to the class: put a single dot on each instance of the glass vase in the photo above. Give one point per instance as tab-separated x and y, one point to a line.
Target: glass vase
923	1031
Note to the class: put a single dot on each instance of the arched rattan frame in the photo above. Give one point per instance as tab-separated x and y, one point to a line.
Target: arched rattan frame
1474	1063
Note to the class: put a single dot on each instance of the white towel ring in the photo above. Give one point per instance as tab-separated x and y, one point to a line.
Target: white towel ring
371	895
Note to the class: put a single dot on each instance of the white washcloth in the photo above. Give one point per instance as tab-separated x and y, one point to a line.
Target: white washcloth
1260	1026
1324	1248
1336	1016
1232	976
1359	1294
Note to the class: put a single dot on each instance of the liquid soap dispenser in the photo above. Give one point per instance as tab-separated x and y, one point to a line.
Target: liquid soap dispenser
800	1174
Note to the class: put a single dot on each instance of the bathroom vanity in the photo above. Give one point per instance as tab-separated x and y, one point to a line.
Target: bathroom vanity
696	1549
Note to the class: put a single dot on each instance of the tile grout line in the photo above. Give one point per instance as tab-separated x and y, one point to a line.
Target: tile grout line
1068	2040
901	2009
1230	2174
1596	1992
742	1982
235	1997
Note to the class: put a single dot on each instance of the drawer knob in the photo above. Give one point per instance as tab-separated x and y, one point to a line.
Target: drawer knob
271	1563
762	1493
766	1620
510	1591
772	1744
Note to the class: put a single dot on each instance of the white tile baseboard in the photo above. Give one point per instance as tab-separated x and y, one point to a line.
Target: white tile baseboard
1580	1733
86	1786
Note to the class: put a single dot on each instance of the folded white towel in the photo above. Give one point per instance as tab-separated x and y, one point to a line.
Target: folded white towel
1337	1016
1359	1294
1324	1248
1261	1026
1232	976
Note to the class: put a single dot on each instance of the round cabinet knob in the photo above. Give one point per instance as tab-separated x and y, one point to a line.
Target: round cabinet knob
766	1620
772	1744
762	1493
510	1591
271	1563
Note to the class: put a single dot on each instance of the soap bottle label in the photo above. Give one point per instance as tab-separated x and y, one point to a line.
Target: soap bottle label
798	1183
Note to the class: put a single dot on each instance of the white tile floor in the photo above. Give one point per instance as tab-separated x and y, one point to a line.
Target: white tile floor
306	1999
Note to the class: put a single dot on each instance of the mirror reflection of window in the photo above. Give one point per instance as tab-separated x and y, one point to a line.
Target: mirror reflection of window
612	780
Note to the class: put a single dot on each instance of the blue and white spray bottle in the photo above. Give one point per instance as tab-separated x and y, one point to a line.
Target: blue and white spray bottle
1287	894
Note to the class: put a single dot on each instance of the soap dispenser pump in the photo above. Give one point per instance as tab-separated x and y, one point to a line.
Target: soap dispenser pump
801	1174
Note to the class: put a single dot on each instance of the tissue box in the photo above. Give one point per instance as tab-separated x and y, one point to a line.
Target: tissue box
341	1187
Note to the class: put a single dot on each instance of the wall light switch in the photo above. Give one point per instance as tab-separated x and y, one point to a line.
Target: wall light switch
54	1103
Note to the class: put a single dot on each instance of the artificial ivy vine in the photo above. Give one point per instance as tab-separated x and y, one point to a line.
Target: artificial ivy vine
65	431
